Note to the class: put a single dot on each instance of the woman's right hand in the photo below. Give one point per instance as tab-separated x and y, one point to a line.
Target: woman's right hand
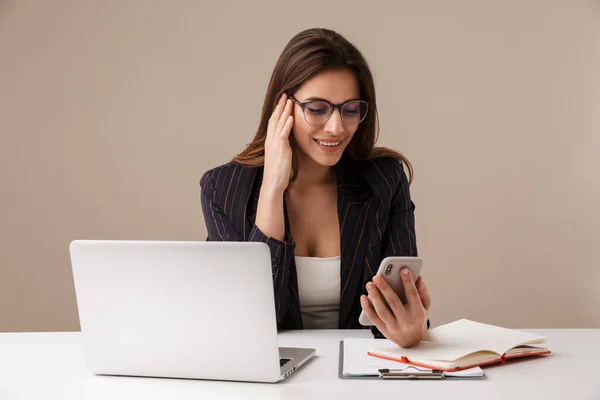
278	153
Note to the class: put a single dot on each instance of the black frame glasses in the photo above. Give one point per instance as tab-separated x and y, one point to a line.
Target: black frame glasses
332	108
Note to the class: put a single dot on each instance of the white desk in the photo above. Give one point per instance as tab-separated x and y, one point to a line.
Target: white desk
51	366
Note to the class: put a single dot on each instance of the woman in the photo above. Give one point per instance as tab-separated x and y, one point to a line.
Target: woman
329	204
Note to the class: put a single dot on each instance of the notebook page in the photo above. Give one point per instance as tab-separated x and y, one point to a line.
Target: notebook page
478	336
455	340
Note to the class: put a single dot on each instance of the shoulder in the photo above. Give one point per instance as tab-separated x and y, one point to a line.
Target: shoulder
385	175
389	168
221	177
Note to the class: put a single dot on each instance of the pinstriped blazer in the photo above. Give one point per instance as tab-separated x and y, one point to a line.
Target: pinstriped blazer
376	217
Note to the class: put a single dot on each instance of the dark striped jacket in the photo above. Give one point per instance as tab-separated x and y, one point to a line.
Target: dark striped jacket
376	217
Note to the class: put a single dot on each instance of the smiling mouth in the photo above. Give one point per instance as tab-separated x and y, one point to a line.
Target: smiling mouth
328	143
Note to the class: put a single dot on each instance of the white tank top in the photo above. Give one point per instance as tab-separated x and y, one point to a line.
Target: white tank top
319	291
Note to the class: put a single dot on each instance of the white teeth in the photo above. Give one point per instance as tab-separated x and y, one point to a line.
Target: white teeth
330	144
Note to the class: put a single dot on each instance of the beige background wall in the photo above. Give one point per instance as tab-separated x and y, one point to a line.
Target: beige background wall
110	111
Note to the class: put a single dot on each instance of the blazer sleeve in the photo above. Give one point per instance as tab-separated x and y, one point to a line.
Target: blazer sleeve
399	238
220	228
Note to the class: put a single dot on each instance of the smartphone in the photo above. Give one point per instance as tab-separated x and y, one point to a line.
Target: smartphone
389	269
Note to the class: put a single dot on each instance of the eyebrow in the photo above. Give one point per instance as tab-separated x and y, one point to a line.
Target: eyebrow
313	98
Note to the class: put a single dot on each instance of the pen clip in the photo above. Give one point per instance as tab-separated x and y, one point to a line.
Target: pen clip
403	374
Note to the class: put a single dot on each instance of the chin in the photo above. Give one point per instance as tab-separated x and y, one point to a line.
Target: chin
326	160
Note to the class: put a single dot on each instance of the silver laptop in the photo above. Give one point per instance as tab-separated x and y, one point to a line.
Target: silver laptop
199	310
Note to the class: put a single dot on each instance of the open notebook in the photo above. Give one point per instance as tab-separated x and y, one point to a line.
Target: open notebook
355	363
463	344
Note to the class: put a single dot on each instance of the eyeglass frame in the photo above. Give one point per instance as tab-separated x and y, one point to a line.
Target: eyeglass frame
332	108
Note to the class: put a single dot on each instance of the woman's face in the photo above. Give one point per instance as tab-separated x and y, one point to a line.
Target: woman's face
325	144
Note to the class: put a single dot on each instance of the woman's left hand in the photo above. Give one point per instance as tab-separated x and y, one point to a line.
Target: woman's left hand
403	324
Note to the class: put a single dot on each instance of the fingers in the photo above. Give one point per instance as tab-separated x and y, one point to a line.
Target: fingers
382	310
287	128
412	294
279	108
274	122
391	297
284	124
287	110
423	293
372	314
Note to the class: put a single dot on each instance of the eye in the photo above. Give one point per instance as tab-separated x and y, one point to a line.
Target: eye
352	109
317	108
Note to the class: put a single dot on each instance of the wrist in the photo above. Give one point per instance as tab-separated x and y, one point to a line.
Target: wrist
271	192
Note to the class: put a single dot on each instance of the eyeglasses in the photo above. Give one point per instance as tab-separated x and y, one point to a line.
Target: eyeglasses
318	112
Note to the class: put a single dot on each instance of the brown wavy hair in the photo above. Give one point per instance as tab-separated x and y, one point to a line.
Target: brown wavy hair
308	53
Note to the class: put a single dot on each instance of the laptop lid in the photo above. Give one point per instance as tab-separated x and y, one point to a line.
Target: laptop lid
177	309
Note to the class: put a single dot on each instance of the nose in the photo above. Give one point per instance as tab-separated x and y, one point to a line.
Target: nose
335	125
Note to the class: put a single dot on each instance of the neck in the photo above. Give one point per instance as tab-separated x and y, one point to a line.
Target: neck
312	174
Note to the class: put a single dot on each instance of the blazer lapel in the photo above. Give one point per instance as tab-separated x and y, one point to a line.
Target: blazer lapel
355	214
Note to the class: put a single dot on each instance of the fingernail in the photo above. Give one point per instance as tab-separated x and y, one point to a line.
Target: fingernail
405	271
363	299
370	286
377	280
